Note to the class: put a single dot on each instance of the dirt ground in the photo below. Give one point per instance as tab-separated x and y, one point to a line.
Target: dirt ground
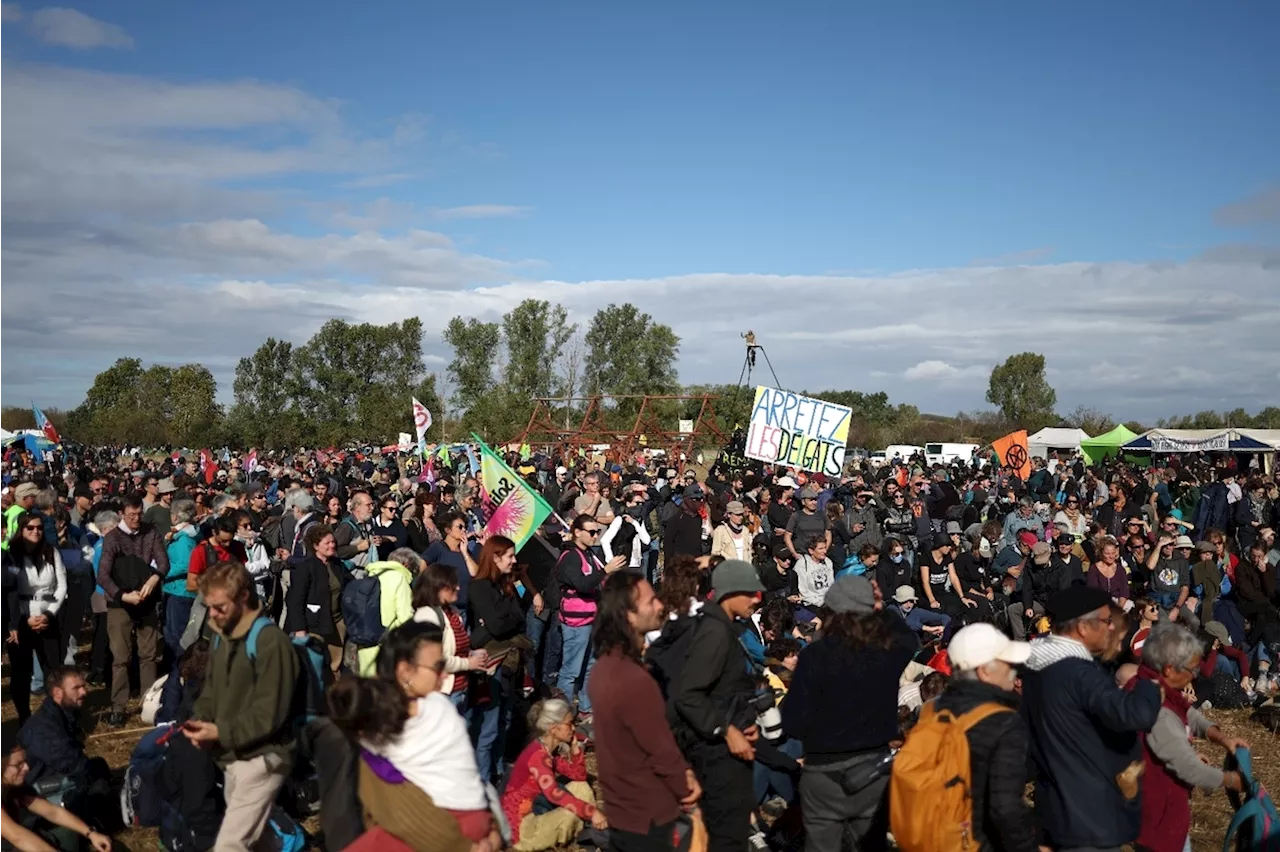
1211	813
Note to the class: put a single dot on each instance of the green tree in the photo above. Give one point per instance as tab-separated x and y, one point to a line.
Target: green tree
475	354
265	413
1091	420
535	333
353	381
629	354
1019	389
156	406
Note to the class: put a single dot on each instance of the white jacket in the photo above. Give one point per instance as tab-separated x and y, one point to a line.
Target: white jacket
39	591
449	645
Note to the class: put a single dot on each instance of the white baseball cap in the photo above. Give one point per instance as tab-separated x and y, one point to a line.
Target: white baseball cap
786	482
978	644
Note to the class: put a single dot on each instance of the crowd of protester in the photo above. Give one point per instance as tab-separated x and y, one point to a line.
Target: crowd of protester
755	658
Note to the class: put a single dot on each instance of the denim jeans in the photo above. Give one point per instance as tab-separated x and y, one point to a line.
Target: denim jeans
459	700
576	664
1227	665
489	724
547	645
535	628
781	783
177	612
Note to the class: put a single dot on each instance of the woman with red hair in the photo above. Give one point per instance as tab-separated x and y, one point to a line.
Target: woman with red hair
497	627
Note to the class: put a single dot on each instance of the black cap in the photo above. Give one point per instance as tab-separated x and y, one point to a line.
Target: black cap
1074	602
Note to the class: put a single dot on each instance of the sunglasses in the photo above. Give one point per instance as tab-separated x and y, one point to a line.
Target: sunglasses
34	528
592	532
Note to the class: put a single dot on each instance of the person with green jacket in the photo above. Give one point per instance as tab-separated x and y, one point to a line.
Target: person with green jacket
243	712
24	500
395	598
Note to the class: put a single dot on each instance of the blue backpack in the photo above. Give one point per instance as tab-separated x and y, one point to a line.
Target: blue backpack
1256	824
362	611
314	675
141	803
282	833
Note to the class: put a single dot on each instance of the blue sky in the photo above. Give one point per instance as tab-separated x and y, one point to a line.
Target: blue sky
557	150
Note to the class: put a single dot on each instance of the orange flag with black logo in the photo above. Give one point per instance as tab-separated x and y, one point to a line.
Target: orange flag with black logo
1012	451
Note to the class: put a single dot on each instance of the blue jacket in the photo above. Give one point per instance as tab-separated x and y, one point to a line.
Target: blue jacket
180	549
1083	734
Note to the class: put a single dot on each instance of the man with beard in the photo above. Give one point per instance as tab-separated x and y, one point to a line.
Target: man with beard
244	710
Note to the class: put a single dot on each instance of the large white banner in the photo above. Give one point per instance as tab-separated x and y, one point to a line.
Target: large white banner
798	431
1213	444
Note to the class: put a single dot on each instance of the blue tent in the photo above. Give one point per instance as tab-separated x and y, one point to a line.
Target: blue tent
1195	440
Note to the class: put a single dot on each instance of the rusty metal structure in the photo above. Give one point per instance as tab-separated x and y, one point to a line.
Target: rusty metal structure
647	430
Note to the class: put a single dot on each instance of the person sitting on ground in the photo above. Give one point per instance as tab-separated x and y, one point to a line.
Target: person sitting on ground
54	748
926	622
34	824
555	753
410	732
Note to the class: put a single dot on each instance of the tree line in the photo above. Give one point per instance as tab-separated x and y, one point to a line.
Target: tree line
352	382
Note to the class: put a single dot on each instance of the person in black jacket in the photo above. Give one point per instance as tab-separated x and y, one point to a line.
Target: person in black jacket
682	535
1084	730
497	626
313	604
1045	577
711	697
846	731
52	741
982	672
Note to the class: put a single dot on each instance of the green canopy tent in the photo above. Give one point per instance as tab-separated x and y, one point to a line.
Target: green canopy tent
1107	444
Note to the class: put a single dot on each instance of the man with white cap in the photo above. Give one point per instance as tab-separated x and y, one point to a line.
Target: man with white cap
1170	571
983	671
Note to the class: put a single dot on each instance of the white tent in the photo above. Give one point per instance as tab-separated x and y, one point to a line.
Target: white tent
1041	443
5	434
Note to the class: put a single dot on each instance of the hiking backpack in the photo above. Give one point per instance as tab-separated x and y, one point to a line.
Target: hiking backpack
1256	824
314	675
930	798
141	801
362	611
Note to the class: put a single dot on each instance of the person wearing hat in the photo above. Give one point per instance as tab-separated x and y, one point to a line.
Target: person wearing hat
731	540
846	732
684	531
920	619
1083	730
1043	579
1206	579
806	524
863	520
157	514
24	500
1010	566
984	671
1223	656
1169	567
710	697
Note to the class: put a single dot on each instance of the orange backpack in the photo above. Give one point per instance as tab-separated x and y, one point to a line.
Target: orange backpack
930	800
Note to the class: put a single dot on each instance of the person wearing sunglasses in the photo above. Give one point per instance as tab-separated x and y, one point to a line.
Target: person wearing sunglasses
579	574
389	532
39	593
410	731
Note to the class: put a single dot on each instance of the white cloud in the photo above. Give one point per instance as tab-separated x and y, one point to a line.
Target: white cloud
12	12
940	371
482	211
69	28
144	218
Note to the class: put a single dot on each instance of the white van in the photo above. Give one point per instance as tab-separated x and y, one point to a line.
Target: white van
945	454
901	451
